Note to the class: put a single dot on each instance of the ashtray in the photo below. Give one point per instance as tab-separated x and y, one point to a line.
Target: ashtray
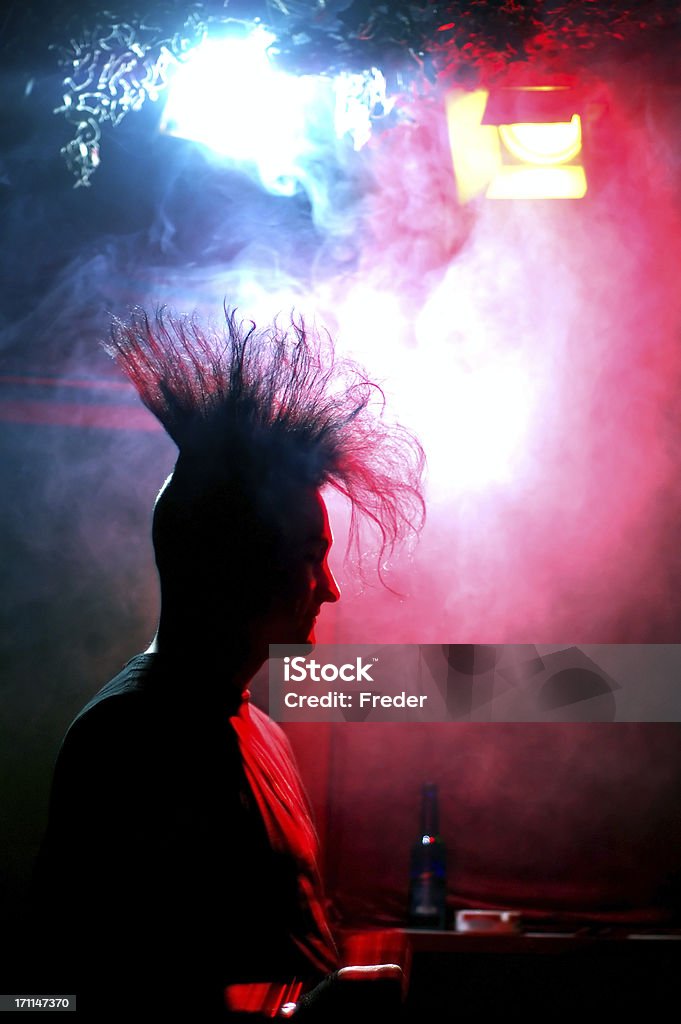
502	922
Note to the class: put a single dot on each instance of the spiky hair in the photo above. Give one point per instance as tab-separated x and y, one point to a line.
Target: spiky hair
282	397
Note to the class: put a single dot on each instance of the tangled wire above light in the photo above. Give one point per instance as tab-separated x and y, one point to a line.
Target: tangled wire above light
112	71
121	61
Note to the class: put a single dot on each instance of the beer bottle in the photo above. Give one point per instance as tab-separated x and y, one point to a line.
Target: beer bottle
428	868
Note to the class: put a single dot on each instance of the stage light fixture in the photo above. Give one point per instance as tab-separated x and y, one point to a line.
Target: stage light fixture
227	96
523	143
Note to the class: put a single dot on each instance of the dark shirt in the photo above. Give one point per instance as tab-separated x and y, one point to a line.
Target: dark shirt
160	878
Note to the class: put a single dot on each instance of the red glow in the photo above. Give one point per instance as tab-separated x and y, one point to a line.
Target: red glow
263	998
556	516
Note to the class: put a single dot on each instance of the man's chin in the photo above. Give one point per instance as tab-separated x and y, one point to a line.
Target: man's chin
303	644
309	643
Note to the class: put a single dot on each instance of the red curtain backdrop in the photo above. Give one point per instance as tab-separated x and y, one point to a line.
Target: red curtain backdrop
554	819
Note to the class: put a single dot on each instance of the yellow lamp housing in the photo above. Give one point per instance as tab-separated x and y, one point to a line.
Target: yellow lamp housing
521	159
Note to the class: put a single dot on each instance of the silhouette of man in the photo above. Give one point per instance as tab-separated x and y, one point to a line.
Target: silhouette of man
179	868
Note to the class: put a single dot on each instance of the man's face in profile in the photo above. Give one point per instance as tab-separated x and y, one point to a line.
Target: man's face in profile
302	580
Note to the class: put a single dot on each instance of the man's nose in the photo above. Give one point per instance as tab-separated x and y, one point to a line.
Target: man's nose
329	586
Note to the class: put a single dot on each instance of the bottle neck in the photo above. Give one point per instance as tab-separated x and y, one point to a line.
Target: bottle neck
430	825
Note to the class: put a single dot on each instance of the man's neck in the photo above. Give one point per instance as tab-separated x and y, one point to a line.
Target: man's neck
224	663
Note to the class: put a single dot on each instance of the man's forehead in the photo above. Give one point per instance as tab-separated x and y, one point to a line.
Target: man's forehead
306	517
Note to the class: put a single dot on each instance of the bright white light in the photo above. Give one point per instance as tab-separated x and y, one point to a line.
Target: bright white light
473	421
476	397
489	413
227	96
472	402
371	326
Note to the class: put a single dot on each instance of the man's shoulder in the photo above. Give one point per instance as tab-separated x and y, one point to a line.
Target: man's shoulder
130	680
108	740
117	703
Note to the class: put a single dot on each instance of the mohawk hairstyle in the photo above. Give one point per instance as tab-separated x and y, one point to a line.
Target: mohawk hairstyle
283	398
